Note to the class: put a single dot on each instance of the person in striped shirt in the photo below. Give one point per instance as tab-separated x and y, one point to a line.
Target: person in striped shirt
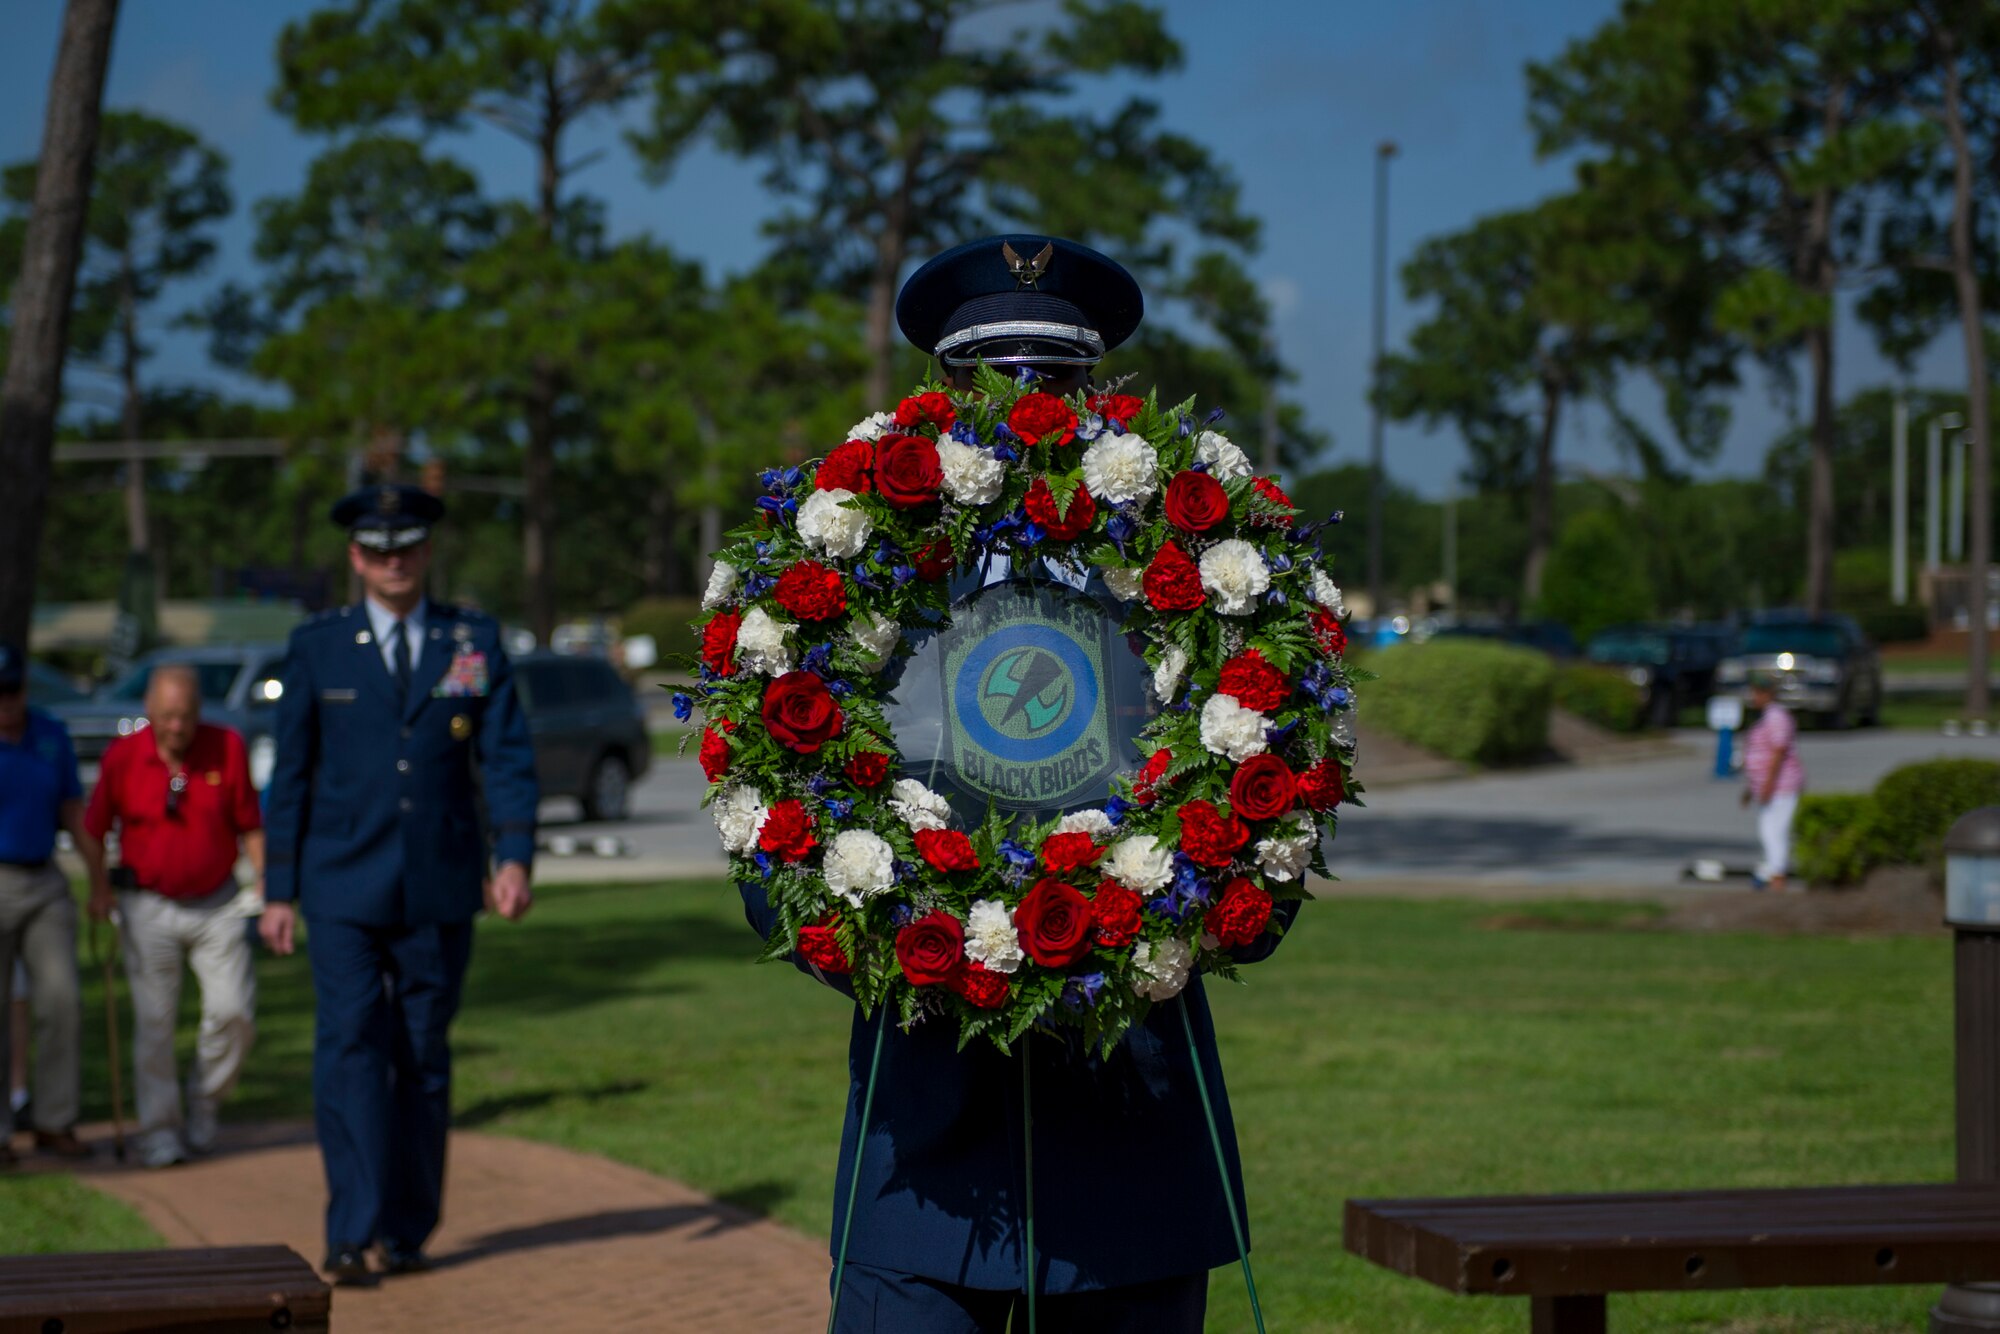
1773	778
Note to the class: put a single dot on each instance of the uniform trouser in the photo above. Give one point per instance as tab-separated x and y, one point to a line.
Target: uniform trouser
382	1074
38	927
205	934
885	1301
1774	831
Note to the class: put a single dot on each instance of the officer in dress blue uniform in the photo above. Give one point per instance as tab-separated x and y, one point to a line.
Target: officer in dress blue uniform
398	723
1130	1213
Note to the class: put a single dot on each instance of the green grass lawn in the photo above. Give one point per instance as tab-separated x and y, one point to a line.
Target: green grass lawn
1388	1049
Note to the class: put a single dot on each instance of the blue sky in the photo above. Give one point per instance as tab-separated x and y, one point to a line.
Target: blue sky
1295	94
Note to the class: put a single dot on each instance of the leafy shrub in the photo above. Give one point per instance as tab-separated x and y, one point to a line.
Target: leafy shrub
667	620
1477	702
1886	623
1602	695
1596	575
1916	804
1835	840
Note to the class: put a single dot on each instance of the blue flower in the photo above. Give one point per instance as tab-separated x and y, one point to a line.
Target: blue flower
791	478
773	505
1004	453
763	552
1280	562
819	783
683	706
768	478
1186	427
902	574
1214	416
756	585
819	660
1025	375
965	432
839	689
1340	697
901	916
1031	534
1275	598
1114	810
708	673
839	809
1090	427
865	579
1121	528
1080	993
763	861
1004	432
1274	735
1019	860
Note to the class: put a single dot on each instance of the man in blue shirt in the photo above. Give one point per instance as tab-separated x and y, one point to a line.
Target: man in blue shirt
40	793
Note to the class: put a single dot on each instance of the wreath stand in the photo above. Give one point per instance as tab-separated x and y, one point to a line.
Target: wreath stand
1028	1172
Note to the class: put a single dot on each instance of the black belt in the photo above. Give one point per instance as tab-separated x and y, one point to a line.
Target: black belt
25	866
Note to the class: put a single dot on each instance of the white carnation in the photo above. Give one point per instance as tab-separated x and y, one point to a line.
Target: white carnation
1125	585
1095	823
1235	573
722	581
1139	863
990	937
871	427
739	814
919	807
1327	593
1223	458
1121	469
1163	968
831	527
1287	858
760	643
1227	728
877	639
971	476
1167	676
859	865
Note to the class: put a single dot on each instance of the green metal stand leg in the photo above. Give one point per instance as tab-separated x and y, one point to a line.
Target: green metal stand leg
1028	1179
854	1179
1222	1166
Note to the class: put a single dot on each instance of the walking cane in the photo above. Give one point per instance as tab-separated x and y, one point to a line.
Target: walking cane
111	1029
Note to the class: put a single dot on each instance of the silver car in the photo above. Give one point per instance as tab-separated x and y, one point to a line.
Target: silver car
1822	665
240	686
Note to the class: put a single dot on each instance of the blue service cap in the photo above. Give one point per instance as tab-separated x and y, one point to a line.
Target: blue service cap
1020	299
389	517
13	666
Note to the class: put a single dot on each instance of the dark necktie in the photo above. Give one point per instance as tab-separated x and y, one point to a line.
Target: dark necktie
401	655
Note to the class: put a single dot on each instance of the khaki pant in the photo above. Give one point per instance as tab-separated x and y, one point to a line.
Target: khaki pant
38	927
160	935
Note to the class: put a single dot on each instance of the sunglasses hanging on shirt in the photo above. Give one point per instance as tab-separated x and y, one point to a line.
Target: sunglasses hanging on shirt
177	786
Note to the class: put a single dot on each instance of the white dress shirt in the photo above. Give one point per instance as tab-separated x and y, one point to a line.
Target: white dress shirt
383	622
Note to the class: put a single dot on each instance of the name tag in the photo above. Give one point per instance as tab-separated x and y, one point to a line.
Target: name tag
337	696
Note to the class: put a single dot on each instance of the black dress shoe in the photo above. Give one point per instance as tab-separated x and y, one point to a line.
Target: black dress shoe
396	1260
349	1267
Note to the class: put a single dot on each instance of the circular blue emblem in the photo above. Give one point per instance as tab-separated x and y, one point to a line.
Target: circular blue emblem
1025	693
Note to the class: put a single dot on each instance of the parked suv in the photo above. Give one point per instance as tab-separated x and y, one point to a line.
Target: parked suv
590	734
240	685
1674	664
1821	665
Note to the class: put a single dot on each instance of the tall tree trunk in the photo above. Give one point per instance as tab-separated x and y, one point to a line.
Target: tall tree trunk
49	254
538	464
1818	273
132	416
1978	392
1542	496
889	251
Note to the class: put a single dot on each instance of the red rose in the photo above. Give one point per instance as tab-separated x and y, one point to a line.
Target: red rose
1240	915
1263	788
1040	502
907	471
800	712
1252	682
1328	631
1038	415
811	591
847	469
936	561
1069	852
714	753
718	642
946	850
787	832
1323	786
1172	582
1120	408
1196	501
867	768
1054	922
1210	837
1115	914
1269	489
1149	776
931	949
819	947
980	985
926	410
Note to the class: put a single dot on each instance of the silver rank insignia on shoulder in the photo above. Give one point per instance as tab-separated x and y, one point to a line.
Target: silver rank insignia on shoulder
362	637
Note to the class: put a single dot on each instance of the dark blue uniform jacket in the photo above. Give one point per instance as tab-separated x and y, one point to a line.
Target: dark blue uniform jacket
374	812
1126	1187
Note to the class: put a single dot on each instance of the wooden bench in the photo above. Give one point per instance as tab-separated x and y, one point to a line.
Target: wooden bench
1565	1252
226	1289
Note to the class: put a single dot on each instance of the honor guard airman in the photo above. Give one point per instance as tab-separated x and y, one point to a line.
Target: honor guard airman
402	800
1122	1243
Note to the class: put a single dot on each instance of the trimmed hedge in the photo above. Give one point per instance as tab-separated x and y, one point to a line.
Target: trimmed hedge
1477	702
668	621
1840	838
1601	695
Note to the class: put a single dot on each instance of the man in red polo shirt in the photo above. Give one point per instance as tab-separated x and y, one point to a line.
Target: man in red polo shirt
179	792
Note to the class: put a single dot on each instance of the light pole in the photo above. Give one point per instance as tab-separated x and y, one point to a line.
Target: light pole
1383	152
1955	533
1899	504
1972	910
1934	490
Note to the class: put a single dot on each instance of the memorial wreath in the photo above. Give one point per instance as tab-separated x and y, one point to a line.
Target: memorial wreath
1083	920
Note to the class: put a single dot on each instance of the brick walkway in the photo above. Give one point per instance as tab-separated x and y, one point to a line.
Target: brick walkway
534	1238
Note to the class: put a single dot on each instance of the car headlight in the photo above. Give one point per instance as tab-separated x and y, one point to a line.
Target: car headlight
1639	676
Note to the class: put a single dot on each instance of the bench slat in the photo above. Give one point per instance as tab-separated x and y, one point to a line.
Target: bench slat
1668	1241
216	1288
